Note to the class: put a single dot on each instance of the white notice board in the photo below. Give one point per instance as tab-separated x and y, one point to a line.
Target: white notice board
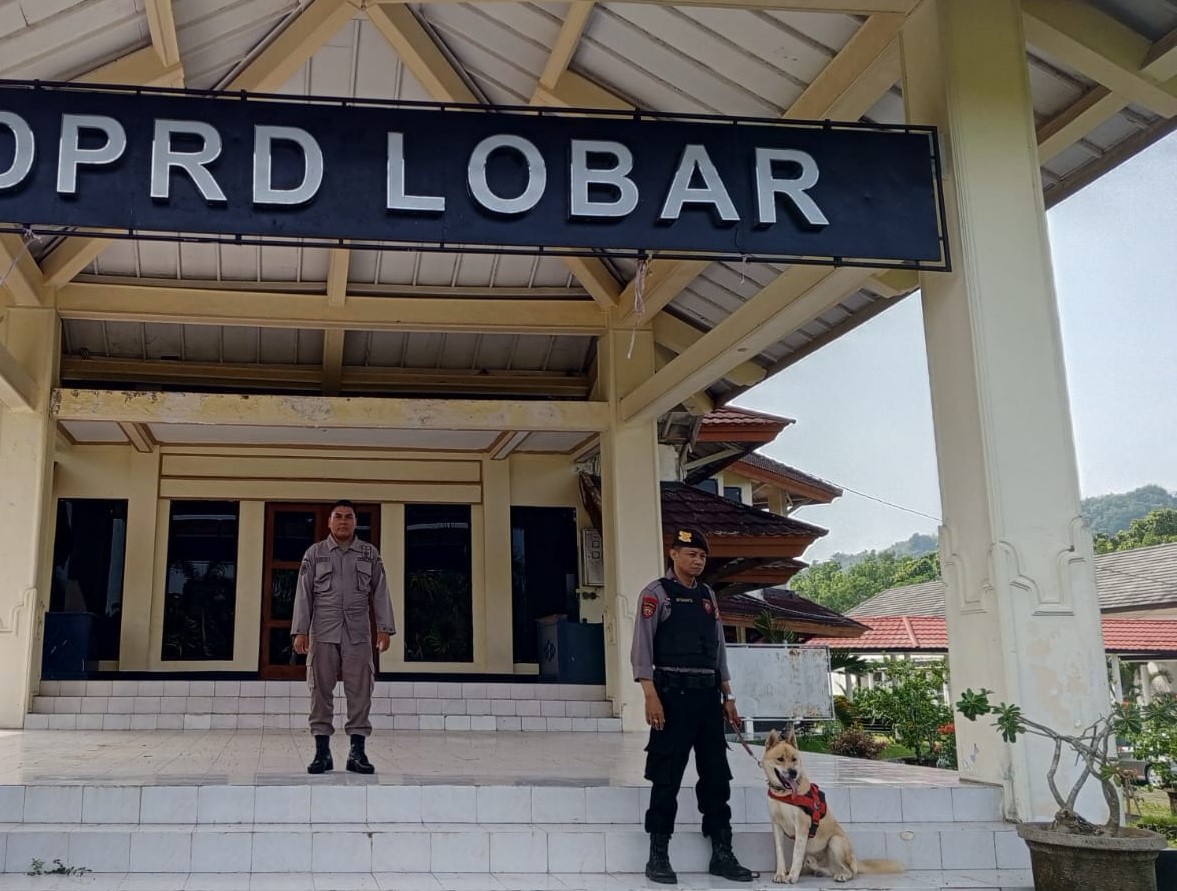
781	681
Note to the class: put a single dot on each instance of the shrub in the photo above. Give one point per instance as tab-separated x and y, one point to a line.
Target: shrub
1166	826
845	711
910	701
855	742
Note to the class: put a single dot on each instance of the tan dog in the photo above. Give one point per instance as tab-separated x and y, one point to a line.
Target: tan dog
798	810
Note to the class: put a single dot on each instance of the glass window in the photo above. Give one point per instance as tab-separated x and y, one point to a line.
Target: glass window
200	604
733	493
711	484
89	551
439	609
543	572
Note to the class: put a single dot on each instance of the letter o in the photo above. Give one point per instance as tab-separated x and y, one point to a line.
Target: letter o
22	158
537	174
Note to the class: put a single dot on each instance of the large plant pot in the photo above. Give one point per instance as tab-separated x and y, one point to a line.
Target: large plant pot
1063	862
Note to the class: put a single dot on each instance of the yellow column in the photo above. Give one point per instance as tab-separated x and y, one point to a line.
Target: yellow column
1023	617
32	336
496	507
145	529
631	514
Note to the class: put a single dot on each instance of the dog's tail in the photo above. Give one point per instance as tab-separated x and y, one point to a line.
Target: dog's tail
880	867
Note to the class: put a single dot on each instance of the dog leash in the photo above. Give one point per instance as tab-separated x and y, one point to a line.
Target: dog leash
744	743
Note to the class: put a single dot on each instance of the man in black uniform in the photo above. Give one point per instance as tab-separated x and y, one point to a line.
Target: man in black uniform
680	660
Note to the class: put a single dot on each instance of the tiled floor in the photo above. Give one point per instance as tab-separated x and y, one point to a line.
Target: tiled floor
278	757
1007	880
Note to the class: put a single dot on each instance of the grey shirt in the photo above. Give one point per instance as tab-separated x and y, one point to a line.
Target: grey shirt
653	608
335	586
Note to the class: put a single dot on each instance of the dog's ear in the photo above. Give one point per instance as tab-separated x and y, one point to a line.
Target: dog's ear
773	739
791	736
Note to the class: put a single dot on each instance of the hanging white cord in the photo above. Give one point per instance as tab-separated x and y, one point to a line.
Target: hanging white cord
28	236
639	301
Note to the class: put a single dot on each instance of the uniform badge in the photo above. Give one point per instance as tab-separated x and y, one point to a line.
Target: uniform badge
708	606
684	536
649	606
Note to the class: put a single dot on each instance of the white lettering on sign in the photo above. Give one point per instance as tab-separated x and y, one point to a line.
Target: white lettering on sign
264	192
537	174
615	177
768	186
696	160
71	155
195	163
397	197
25	149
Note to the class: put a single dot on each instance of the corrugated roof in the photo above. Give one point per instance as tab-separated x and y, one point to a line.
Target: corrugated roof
930	634
1124	579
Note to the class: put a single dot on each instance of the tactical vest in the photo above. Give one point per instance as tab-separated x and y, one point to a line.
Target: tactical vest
688	637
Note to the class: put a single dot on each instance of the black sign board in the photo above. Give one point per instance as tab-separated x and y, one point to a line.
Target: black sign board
154	163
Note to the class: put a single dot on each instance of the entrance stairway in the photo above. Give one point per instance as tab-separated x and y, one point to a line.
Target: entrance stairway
283	705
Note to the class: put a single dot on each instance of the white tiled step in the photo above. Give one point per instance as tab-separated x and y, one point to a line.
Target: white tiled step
384	689
481	723
465	848
916	880
334	798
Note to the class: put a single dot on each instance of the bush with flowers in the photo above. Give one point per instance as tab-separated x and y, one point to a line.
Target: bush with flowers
944	748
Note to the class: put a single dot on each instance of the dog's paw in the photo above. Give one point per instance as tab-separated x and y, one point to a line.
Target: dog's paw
783	878
843	876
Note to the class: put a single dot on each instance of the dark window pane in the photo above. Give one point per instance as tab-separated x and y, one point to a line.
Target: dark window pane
282	586
199	609
89	550
294	532
439	614
281	650
708	485
734	493
543	572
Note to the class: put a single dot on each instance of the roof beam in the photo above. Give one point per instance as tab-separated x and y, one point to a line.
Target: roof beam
564	47
425	59
337	268
161	22
139	436
354	379
853	81
678	337
1068	127
20	278
17	390
319	21
1161	61
141	68
279	309
1098	46
333	360
797	296
71	257
333	412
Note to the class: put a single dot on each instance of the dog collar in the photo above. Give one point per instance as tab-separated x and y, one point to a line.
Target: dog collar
812	802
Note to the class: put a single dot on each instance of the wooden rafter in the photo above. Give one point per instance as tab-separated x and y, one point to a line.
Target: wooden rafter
161	22
296	309
22	281
425	59
676	335
1102	48
564	47
1161	62
1065	129
849	7
139	435
333	360
799	295
142	68
319	21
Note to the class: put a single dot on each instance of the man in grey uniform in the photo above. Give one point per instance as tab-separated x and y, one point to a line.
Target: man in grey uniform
340	578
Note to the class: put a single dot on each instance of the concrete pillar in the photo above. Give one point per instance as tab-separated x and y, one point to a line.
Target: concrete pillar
499	603
631	513
32	336
1023	617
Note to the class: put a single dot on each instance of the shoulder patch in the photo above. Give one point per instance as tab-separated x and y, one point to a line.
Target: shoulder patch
708	606
649	606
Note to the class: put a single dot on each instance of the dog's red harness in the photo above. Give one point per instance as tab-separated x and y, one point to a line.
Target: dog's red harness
812	802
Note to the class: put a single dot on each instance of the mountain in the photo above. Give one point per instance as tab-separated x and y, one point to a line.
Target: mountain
1114	513
916	546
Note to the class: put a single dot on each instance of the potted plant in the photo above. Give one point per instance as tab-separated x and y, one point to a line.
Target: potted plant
1070	852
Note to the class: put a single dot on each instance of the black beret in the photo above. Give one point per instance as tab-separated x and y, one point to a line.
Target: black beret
689	538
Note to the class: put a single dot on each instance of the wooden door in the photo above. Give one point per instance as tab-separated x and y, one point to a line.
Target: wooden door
290	530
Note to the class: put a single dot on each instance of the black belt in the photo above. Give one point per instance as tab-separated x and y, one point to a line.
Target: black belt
684	680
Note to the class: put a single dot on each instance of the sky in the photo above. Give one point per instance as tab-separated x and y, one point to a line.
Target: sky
862	406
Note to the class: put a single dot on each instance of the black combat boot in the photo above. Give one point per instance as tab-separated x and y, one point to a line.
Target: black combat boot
658	867
322	760
357	761
723	861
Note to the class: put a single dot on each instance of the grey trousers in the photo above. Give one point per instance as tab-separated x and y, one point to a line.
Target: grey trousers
351	663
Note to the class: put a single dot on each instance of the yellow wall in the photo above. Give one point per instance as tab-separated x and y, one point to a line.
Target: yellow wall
254	476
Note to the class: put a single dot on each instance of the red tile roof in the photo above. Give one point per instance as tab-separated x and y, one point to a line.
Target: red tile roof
729	415
930	633
787	474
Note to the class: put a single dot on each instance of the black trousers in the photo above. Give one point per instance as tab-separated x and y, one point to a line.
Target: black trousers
694	719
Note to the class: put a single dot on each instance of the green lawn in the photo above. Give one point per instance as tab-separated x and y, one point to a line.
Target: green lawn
821	745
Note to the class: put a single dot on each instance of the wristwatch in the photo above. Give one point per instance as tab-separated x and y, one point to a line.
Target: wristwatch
729	697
